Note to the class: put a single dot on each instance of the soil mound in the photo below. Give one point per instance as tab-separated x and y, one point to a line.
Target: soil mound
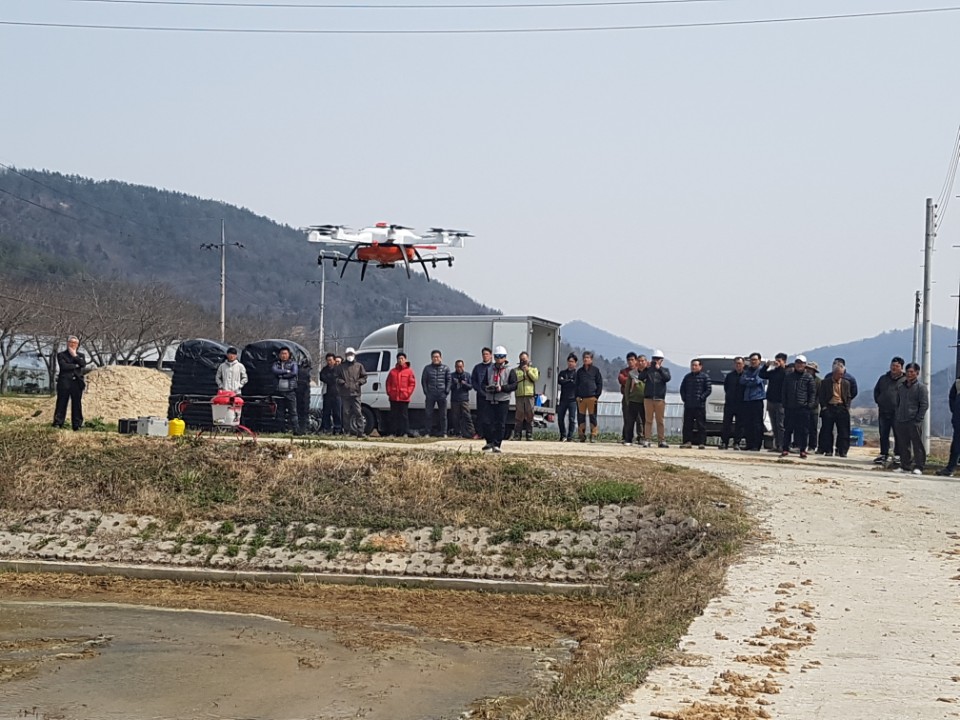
122	391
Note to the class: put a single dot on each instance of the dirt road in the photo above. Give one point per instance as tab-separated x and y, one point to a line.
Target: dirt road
850	608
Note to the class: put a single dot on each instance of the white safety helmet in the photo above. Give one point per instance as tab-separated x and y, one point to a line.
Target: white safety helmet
349	352
657	354
499	351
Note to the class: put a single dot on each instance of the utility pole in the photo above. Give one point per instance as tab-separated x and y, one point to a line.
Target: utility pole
222	247
916	328
321	340
929	235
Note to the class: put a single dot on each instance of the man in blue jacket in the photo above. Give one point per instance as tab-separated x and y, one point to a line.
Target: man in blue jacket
695	388
435	381
754	393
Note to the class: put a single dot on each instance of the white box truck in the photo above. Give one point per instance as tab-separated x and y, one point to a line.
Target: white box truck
458	337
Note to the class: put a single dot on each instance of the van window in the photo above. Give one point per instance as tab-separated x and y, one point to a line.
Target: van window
717	369
385	362
370	361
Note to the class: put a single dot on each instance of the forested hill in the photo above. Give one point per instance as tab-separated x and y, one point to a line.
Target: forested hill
52	224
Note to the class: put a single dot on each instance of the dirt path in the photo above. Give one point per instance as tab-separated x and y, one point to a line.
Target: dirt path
849	609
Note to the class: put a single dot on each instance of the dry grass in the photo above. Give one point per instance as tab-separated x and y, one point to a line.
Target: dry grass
623	632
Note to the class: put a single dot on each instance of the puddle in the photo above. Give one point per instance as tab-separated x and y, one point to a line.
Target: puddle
74	661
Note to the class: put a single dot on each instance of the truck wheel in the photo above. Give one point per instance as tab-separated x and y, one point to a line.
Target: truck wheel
369	420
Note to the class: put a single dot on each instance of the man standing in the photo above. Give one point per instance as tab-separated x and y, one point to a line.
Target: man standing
567	404
774	374
478	379
460	387
285	372
527	376
622	377
799	399
812	370
435	381
955	442
498	383
330	420
695	388
589	388
401	382
849	378
70	384
732	406
231	374
351	377
635	420
754	394
912	404
885	396
655	379
835	396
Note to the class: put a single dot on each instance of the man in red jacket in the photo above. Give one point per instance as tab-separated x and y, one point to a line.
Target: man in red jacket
401	383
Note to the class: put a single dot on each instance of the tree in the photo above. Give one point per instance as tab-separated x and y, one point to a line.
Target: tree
20	307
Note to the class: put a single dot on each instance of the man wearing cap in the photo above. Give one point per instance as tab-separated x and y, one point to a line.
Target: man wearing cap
351	377
655	378
498	383
774	373
799	398
285	372
885	396
589	388
231	374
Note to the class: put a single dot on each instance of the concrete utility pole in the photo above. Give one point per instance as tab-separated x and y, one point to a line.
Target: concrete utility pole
222	247
929	235
321	340
916	328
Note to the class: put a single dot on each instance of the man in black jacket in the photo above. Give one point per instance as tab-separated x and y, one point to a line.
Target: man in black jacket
885	396
774	373
955	442
498	383
477	378
589	388
732	399
330	420
435	381
695	388
799	397
70	385
567	404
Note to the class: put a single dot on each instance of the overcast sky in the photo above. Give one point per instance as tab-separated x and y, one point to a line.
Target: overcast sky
701	190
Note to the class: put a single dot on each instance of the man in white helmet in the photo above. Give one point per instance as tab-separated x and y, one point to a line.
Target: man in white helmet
351	377
498	383
655	378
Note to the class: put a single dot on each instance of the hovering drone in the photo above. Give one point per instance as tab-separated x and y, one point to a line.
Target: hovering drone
386	246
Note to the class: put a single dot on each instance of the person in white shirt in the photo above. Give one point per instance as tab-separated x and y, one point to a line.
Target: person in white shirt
231	375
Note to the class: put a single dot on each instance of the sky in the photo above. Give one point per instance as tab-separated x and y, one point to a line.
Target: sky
700	190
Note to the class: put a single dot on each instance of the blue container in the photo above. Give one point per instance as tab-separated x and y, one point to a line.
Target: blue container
856	437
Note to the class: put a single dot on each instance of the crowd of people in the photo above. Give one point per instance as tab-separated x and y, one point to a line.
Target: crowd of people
807	413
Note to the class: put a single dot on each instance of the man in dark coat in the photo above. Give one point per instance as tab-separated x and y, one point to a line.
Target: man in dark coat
589	387
499	381
955	442
799	398
351	377
695	388
774	373
885	396
567	404
286	373
732	400
435	382
70	385
330	420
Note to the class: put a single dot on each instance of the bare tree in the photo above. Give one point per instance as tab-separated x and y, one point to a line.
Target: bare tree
20	307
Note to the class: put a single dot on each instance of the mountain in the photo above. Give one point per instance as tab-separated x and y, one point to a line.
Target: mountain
869	358
54	225
585	336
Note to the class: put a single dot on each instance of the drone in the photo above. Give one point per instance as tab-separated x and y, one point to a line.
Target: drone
386	246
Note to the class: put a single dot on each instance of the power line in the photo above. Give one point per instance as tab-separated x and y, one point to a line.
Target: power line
485	31
405	6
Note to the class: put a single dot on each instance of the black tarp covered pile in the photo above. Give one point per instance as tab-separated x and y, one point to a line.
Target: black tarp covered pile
195	373
258	358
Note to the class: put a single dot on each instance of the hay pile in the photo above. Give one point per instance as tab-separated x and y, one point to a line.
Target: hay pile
121	391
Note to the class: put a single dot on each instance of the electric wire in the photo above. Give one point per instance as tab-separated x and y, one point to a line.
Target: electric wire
943	201
487	31
402	6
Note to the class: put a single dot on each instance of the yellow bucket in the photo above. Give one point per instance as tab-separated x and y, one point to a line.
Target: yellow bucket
176	427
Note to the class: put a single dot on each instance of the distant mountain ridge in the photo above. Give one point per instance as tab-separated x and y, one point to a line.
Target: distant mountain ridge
613	347
53	225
